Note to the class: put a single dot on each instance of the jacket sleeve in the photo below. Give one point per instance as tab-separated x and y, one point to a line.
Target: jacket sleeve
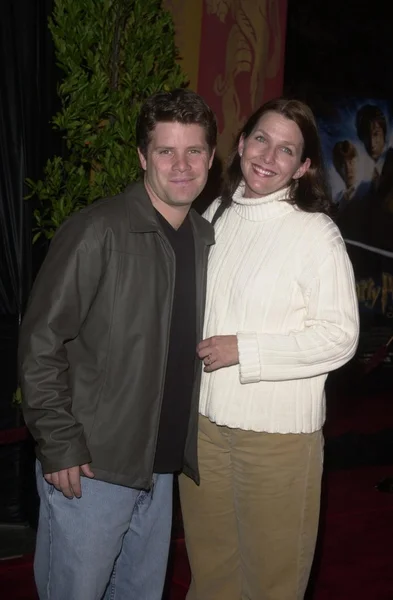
328	340
62	295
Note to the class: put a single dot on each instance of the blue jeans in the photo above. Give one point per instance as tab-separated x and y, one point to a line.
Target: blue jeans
111	544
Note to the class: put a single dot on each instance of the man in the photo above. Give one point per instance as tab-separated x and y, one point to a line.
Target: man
352	200
108	365
372	131
371	128
345	162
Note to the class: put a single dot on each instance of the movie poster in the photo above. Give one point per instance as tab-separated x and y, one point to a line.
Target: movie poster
357	142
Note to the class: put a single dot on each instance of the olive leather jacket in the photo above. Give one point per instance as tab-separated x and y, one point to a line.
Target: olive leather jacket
94	340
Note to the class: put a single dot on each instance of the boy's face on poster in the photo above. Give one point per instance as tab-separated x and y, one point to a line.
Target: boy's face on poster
376	142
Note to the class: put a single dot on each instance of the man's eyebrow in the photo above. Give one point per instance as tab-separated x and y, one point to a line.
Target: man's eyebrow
163	146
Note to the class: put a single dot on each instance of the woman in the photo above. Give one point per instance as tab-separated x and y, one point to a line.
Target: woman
281	314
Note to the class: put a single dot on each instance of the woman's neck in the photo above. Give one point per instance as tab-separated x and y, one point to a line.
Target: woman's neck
266	207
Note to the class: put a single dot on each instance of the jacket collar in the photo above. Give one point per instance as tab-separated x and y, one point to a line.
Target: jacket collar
142	216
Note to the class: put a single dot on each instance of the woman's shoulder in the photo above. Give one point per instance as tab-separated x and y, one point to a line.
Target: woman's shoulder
318	235
317	223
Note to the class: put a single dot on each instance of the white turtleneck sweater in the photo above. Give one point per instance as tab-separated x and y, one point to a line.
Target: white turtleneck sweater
281	280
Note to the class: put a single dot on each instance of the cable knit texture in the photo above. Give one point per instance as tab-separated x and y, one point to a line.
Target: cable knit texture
281	280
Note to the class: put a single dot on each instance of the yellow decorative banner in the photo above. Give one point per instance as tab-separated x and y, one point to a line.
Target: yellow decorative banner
233	53
187	16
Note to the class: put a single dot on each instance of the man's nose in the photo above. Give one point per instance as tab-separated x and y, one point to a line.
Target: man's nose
182	162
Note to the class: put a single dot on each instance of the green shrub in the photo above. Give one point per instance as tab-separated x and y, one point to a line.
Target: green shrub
114	54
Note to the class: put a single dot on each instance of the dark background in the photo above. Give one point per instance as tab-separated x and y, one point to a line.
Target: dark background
28	100
339	47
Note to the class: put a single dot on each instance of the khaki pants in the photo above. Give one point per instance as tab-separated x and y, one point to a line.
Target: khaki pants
251	525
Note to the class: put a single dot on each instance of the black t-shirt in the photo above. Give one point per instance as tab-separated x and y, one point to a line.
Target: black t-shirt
179	377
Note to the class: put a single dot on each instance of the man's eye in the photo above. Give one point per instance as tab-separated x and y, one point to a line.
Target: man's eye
286	150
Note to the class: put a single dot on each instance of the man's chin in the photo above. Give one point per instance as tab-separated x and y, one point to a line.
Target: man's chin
184	199
181	202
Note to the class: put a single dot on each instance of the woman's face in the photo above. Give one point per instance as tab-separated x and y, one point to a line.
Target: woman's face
271	155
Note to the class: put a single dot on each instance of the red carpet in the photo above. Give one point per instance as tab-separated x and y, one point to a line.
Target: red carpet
16	579
354	558
355	553
360	414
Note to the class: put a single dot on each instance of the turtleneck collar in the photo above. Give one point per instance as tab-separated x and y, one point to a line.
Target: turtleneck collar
261	209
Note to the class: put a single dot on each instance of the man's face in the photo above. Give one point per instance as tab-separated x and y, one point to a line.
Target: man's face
349	171
177	164
376	142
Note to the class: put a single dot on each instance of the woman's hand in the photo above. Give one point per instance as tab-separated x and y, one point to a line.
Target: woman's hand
218	351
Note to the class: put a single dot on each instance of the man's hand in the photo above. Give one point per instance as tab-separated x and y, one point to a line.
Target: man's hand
218	351
68	481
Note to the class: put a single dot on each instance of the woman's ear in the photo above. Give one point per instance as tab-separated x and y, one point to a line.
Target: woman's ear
240	146
302	169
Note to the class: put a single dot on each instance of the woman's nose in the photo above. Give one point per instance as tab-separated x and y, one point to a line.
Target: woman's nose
268	155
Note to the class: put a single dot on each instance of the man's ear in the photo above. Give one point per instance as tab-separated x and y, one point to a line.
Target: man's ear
302	169
142	160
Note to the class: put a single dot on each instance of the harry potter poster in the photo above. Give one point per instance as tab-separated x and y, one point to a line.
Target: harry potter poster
357	140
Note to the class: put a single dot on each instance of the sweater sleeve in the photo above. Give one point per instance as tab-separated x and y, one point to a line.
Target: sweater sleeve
328	340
